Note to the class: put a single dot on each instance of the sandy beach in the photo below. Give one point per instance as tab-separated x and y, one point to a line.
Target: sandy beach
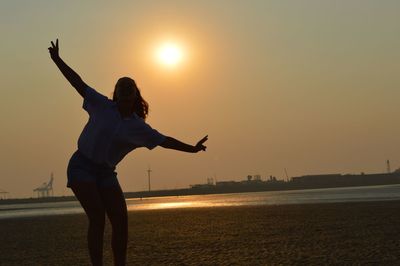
336	233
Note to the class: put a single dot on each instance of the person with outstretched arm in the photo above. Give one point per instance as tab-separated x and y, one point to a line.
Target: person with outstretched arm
115	127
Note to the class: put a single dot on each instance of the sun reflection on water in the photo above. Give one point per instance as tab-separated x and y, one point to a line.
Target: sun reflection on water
181	202
167	205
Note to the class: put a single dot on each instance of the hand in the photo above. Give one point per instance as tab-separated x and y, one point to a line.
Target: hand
54	50
199	146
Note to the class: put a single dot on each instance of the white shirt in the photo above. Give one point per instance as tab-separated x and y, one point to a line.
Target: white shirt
107	137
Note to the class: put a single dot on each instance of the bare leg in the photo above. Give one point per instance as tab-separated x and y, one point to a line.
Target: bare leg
115	205
88	195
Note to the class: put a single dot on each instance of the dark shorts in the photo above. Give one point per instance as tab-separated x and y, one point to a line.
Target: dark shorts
82	169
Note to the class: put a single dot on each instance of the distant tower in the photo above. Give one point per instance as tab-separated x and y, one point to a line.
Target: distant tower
148	177
287	177
388	166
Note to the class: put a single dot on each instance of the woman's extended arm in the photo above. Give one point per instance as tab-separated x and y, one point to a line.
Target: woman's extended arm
171	143
68	72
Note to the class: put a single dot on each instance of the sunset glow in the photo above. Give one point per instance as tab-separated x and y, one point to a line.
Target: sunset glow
169	54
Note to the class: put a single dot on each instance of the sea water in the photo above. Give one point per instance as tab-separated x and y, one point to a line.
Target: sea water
347	194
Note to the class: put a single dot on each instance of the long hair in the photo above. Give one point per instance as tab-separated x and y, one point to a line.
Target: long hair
141	107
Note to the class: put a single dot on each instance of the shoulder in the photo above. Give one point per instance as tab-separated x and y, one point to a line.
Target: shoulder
93	93
94	99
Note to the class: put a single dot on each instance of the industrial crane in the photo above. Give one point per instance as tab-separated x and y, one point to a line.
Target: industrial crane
46	189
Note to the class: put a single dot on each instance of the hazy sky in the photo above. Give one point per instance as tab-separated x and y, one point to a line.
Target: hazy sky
310	86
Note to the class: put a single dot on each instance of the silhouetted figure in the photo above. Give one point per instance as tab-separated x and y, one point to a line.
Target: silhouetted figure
115	128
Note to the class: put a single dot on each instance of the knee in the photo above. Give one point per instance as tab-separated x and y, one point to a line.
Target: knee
97	218
119	220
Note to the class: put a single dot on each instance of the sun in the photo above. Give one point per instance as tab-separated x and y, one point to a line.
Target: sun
169	54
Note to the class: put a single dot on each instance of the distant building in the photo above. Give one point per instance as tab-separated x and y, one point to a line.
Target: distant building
339	180
226	183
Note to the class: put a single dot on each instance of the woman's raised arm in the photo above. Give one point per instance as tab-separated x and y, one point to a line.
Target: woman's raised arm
73	78
171	143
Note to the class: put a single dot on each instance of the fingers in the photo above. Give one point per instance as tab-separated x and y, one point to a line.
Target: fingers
203	140
200	145
54	45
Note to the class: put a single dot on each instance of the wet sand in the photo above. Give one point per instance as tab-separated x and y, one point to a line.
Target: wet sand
338	233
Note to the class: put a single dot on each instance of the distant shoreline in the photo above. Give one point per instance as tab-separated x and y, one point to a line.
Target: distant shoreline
177	192
250	185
